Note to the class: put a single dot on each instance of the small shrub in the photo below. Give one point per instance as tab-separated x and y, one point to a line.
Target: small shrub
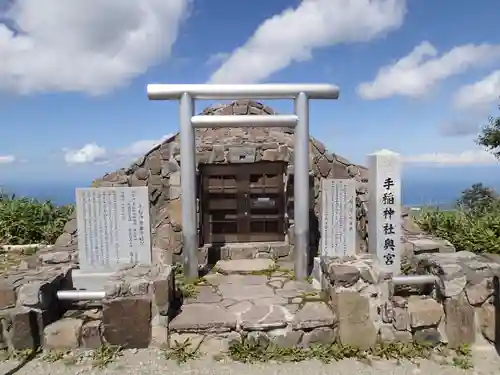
104	355
186	288
473	226
251	352
52	356
26	220
465	230
182	352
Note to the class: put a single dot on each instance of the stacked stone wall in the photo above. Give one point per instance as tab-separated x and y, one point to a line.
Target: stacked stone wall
134	313
458	310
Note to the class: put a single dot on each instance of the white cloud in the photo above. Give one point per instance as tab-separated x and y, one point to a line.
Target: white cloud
418	72
292	35
89	154
217	58
479	95
90	46
142	147
469	157
7	159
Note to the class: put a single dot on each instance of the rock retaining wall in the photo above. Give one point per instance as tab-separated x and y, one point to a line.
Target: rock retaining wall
460	310
134	313
364	309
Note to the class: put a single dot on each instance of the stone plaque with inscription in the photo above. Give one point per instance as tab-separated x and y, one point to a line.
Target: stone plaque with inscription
384	210
338	217
113	228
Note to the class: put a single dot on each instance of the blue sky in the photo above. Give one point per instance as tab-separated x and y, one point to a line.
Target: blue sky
418	77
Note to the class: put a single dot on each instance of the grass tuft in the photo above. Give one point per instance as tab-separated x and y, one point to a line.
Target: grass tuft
181	352
26	221
247	351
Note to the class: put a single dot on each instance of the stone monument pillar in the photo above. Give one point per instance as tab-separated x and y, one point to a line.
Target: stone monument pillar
384	210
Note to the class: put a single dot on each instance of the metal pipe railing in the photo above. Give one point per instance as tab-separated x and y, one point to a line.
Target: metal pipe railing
415	279
80	295
92	295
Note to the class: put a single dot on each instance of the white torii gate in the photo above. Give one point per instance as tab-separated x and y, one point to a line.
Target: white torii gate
187	93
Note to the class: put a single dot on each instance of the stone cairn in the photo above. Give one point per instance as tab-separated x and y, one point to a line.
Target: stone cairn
137	311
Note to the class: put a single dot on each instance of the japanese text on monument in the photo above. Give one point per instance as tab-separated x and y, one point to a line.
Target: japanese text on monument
388	226
112	227
338	217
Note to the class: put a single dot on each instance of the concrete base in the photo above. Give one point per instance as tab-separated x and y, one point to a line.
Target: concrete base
89	281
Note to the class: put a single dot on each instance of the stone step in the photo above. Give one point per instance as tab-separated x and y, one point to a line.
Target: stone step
231	302
251	316
243	266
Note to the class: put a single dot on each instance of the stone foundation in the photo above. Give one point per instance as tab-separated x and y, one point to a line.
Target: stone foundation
255	299
237	302
134	313
24	313
459	310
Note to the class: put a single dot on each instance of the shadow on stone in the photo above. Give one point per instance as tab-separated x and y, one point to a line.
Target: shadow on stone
314	239
213	256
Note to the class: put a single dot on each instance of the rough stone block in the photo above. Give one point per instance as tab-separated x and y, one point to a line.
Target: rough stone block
487	320
356	327
55	257
241	292
454	287
175	179
198	317
313	315
205	294
90	336
431	245
388	334
63	334
35	294
7	294
343	275
127	322
427	336
460	327
280	250
215	345
401	321
241	154
258	338
163	289
319	336
285	337
159	336
263	318
243	265
20	328
424	312
478	293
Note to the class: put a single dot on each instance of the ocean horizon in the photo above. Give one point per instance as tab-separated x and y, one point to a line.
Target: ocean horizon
414	193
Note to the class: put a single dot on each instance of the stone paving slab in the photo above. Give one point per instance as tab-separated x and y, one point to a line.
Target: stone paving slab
252	302
241	266
200	317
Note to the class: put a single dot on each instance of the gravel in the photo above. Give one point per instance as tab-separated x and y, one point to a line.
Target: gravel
150	361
